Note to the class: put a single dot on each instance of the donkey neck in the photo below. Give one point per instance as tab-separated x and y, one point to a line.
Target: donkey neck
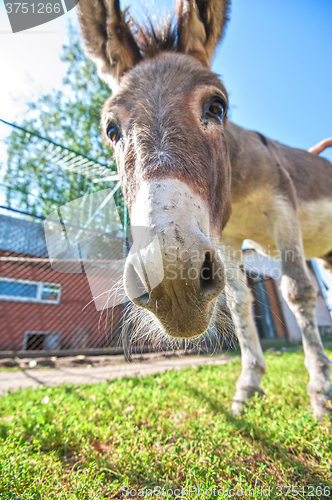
259	163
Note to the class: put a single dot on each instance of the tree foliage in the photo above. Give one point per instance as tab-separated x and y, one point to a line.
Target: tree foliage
70	117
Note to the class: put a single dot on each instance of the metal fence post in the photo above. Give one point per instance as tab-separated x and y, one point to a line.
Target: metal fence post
126	248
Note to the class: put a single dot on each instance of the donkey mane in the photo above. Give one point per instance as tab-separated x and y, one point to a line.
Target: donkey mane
167	36
153	39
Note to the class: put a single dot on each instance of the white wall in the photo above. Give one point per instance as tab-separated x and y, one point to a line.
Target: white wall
261	264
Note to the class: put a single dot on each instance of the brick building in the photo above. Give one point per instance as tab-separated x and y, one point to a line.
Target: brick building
41	308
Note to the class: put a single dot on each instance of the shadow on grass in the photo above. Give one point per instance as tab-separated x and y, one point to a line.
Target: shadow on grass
269	445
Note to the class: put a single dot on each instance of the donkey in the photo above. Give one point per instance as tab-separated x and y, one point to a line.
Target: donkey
196	179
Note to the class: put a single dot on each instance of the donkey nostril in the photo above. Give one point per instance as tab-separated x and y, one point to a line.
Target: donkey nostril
134	287
143	300
206	275
212	276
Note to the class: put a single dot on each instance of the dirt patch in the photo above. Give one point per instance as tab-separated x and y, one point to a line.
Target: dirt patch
92	361
92	371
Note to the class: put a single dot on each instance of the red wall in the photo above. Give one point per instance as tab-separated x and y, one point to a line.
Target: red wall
16	318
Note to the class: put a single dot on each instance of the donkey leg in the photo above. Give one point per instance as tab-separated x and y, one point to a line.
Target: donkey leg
301	297
240	301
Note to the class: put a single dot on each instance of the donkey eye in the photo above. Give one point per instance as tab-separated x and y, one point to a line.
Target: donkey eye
216	109
113	132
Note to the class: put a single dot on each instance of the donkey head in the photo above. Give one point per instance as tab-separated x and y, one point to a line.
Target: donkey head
165	120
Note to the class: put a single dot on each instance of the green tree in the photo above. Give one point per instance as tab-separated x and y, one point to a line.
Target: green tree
70	117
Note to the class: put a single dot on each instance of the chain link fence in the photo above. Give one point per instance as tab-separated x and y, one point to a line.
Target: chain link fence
42	308
61	268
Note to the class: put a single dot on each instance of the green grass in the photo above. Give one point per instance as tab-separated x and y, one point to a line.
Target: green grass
170	430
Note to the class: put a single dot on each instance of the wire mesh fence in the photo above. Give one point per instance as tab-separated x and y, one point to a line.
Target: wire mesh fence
62	258
42	308
46	298
68	305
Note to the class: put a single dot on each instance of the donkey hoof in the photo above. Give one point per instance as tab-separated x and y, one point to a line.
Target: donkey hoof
321	406
321	400
237	407
245	394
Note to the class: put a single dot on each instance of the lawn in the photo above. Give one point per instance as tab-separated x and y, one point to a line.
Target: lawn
173	430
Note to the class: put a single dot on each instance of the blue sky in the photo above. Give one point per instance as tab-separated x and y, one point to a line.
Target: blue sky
276	62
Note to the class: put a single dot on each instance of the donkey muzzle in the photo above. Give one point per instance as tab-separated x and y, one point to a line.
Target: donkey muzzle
178	285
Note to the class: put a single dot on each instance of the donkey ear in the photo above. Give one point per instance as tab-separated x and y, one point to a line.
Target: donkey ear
201	25
108	39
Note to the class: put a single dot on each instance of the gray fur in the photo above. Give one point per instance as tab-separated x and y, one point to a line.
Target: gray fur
280	196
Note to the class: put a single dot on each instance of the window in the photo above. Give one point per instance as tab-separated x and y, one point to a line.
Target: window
267	307
50	293
29	291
